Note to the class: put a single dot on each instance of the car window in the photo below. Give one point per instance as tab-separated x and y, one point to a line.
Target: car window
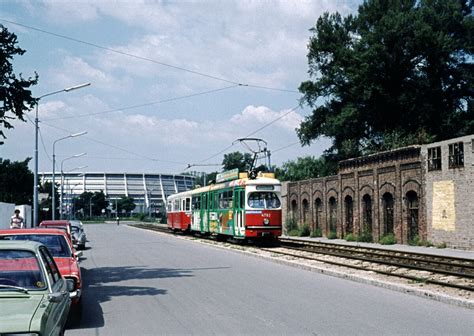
56	244
51	268
20	268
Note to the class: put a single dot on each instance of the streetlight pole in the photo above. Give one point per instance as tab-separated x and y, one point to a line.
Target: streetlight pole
62	182
35	177
54	170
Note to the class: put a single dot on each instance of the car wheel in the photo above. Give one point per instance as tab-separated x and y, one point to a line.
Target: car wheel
81	246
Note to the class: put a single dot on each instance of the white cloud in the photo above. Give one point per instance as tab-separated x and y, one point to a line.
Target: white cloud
261	115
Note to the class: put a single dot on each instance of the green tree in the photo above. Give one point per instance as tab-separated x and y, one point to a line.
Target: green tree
47	203
305	168
398	72
16	182
237	160
15	95
124	203
91	203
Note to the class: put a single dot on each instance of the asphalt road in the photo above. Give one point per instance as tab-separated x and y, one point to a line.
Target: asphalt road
144	283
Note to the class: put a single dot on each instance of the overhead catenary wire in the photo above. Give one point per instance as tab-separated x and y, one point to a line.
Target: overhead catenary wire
141	105
118	148
252	133
146	58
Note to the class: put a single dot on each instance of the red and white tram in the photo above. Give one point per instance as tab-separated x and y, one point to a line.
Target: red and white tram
236	206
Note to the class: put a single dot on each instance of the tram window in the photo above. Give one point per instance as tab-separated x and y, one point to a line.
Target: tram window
176	205
225	199
170	206
242	199
264	200
188	203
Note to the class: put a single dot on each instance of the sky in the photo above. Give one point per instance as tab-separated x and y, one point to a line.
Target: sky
173	83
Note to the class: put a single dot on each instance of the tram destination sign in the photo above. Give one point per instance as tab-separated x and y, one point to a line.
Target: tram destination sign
228	175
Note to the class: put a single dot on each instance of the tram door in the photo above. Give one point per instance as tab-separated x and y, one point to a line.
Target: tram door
239	212
196	210
204	213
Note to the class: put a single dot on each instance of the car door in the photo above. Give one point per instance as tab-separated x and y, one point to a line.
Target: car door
57	312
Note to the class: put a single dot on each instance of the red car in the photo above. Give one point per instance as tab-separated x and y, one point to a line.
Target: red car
60	246
58	224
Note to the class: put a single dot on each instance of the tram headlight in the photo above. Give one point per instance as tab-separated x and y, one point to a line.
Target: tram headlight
266	221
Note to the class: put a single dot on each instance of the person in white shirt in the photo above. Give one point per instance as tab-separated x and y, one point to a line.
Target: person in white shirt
16	221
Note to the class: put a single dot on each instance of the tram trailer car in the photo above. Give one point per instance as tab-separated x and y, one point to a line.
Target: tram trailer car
240	207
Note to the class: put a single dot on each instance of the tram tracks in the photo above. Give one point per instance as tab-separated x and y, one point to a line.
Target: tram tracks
419	267
456	273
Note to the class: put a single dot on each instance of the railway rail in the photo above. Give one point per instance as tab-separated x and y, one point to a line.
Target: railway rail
419	267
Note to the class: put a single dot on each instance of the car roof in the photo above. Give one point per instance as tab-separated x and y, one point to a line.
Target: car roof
19	245
50	231
55	222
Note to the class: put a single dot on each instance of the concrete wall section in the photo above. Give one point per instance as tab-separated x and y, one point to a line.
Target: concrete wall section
6	212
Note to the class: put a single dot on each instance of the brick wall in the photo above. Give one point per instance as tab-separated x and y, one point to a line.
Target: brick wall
450	195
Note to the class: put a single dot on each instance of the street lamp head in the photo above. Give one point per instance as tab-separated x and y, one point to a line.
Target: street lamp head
80	86
79	155
78	134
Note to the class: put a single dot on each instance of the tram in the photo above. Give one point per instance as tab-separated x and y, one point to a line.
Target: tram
236	206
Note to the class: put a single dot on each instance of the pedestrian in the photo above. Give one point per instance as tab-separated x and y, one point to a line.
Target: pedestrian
118	220
16	221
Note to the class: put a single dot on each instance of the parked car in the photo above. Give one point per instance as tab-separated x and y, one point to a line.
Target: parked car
79	237
58	224
66	258
34	296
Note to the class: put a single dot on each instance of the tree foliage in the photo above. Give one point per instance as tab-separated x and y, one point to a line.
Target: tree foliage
15	95
397	73
237	160
47	203
91	203
124	203
305	168
16	182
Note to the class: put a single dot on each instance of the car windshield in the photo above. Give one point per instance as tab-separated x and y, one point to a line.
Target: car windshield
264	200
20	270
74	229
56	244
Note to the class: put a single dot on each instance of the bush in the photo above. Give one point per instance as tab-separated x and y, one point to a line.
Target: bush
332	235
317	233
415	241
441	245
290	224
388	239
350	237
305	231
294	233
365	237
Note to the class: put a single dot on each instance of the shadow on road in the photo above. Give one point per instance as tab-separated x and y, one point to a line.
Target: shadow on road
98	288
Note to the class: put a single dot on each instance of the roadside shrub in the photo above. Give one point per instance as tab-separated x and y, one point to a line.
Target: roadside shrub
441	245
290	224
365	237
415	241
350	237
388	239
317	233
305	231
332	235
294	233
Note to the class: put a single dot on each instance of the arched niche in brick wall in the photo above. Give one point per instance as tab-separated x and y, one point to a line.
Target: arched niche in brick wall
411	185
387	187
305	208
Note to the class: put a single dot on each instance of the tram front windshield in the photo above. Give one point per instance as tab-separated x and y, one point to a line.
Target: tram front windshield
263	200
